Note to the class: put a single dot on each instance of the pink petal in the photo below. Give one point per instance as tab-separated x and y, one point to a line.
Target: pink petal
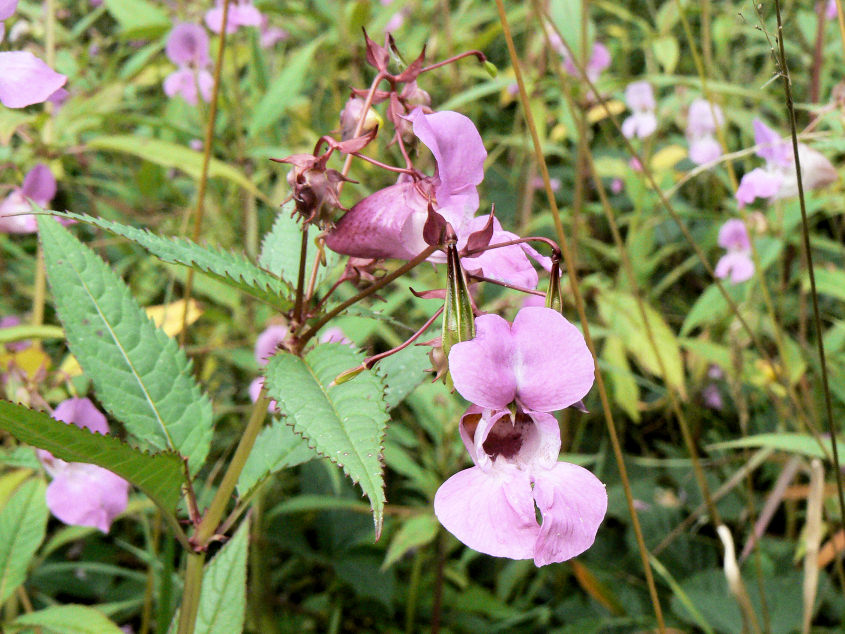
640	96
214	20
267	343
573	502
26	80
87	495
245	14
188	44
734	235
39	184
552	365
458	149
482	368
758	183
13	214
703	118
737	264
506	264
206	83
385	224
704	149
334	335
255	390
639	124
492	513
772	147
82	413
599	61
7	8
469	439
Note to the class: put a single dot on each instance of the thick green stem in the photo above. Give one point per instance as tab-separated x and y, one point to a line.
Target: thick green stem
191	594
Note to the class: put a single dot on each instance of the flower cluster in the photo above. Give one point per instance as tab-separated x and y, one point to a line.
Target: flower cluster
640	99
187	47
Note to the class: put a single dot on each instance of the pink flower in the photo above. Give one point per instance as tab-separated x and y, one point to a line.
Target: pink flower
737	262
830	10
389	222
703	120
39	185
26	80
334	335
704	149
778	179
267	343
255	390
241	13
270	35
507	264
541	362
640	99
7	8
83	494
186	82
599	59
187	45
491	507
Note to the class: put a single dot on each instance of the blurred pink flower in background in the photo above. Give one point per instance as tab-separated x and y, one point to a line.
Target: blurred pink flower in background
83	494
640	99
24	79
267	343
703	119
271	35
241	13
737	262
187	47
599	60
39	184
778	179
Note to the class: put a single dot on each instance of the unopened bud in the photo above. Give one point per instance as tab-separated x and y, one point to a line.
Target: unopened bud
413	95
554	300
348	375
351	114
490	67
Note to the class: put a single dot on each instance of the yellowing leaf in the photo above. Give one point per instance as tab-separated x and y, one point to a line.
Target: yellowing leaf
168	317
30	360
597	113
667	157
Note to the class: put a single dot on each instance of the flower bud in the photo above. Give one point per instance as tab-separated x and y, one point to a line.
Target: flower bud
351	114
553	295
413	95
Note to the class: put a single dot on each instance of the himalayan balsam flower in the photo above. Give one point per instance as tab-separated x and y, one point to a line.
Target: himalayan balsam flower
187	47
703	120
778	179
640	99
541	363
24	79
389	223
83	494
39	185
737	262
599	60
241	13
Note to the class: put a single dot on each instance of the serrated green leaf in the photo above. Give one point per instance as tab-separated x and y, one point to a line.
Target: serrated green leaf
345	423
282	90
402	372
172	155
622	316
282	245
23	523
160	476
68	619
417	531
277	447
141	376
230	268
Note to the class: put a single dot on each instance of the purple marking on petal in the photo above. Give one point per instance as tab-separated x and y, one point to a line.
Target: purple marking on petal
82	413
552	365
7	8
187	44
26	80
573	503
482	368
267	343
467	428
39	184
458	149
87	495
491	512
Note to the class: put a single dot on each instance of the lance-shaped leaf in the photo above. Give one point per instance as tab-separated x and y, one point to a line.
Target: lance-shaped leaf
230	268
23	523
345	423
68	619
277	447
160	475
141	376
